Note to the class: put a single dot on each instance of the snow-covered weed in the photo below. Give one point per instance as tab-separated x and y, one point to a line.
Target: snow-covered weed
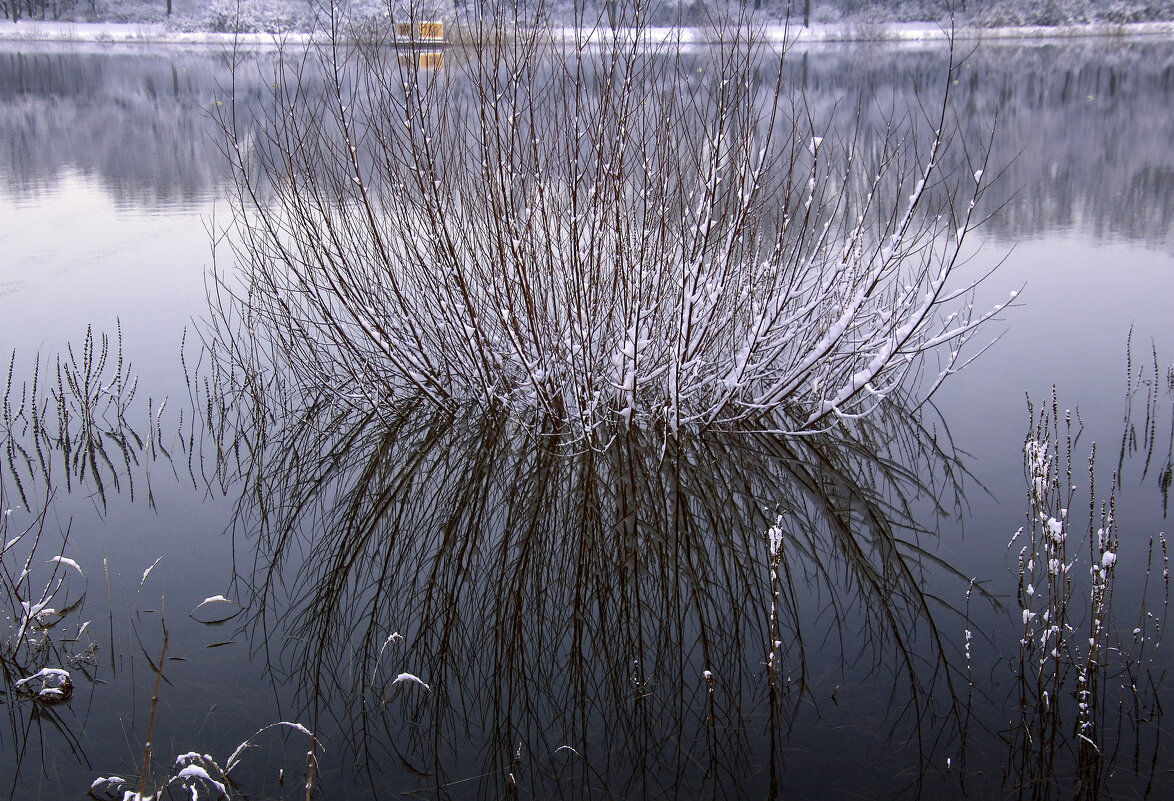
42	637
1070	646
258	16
194	775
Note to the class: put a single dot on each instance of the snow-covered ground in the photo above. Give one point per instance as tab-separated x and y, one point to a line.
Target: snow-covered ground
144	33
897	32
129	33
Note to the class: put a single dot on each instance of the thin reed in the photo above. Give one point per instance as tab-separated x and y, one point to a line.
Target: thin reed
67	424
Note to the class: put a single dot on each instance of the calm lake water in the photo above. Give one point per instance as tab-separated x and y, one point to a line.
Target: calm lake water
564	611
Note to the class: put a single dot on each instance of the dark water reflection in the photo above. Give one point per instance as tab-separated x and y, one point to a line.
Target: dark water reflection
562	607
588	624
599	624
1083	126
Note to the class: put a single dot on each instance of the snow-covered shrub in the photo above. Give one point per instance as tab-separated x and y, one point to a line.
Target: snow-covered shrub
371	21
1124	11
403	10
367	9
997	15
1050	12
598	236
923	11
135	12
674	12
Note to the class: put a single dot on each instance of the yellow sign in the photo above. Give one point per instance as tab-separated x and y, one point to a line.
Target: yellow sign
432	30
427	31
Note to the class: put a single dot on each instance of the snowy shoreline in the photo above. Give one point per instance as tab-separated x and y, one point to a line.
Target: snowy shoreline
157	34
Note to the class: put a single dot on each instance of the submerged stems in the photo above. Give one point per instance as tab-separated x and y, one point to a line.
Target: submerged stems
146	768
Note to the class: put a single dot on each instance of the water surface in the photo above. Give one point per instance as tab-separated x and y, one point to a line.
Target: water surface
554	600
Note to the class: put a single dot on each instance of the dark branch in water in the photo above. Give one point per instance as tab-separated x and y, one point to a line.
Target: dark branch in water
542	590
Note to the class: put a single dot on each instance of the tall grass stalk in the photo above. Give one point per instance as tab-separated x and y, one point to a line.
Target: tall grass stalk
68	425
145	771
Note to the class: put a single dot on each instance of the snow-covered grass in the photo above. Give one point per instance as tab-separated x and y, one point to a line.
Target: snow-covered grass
1072	645
42	636
67	422
194	775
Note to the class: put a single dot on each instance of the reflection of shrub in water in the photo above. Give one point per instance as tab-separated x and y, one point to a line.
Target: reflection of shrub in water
598	234
573	611
596	607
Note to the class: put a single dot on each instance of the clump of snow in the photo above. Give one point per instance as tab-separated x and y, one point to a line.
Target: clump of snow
67	562
147	572
410	678
48	685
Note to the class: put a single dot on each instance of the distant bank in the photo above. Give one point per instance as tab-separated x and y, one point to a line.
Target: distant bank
132	33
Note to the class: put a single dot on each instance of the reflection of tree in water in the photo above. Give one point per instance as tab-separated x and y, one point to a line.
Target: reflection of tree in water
557	599
1083	126
136	120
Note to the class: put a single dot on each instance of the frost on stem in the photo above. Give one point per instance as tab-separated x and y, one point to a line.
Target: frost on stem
596	237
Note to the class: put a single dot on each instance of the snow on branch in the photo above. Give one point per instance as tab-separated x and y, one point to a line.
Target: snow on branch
591	239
